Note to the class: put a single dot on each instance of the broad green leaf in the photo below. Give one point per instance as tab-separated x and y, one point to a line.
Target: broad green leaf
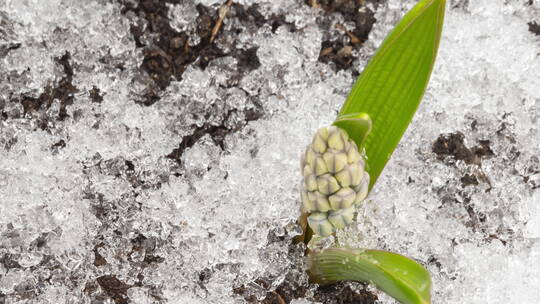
357	125
391	86
398	276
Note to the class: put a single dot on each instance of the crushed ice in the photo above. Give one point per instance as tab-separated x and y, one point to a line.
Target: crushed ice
91	207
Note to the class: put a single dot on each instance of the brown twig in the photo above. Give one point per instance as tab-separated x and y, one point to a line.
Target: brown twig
222	13
280	299
354	39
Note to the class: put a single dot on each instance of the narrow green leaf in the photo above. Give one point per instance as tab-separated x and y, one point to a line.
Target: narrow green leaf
392	85
398	276
357	125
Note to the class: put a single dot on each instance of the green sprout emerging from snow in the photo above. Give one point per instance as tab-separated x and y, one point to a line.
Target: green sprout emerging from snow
337	176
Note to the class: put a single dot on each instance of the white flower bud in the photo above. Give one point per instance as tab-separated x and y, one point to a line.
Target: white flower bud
342	199
334	180
319	223
318	201
335	160
341	218
327	184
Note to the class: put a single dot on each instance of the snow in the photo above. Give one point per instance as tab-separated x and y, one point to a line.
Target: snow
110	202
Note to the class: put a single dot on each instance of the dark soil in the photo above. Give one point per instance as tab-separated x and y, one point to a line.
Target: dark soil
450	148
339	293
468	180
9	261
252	15
57	146
170	54
110	286
453	146
109	213
99	260
95	95
477	220
114	288
534	27
6	48
295	285
216	132
355	11
167	57
462	4
62	91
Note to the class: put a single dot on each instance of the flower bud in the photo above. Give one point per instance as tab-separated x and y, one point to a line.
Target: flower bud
341	218
334	180
319	223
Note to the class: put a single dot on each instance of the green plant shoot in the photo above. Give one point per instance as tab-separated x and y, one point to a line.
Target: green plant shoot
398	276
375	116
392	85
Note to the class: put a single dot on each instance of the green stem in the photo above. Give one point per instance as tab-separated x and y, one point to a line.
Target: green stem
398	276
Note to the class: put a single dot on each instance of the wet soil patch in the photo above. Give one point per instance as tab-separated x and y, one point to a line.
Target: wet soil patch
534	28
95	95
114	288
48	271
451	147
147	247
339	51
63	91
9	261
295	284
468	180
111	286
216	132
168	52
99	260
250	16
57	146
456	198
461	4
6	48
339	293
342	293
135	249
476	219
